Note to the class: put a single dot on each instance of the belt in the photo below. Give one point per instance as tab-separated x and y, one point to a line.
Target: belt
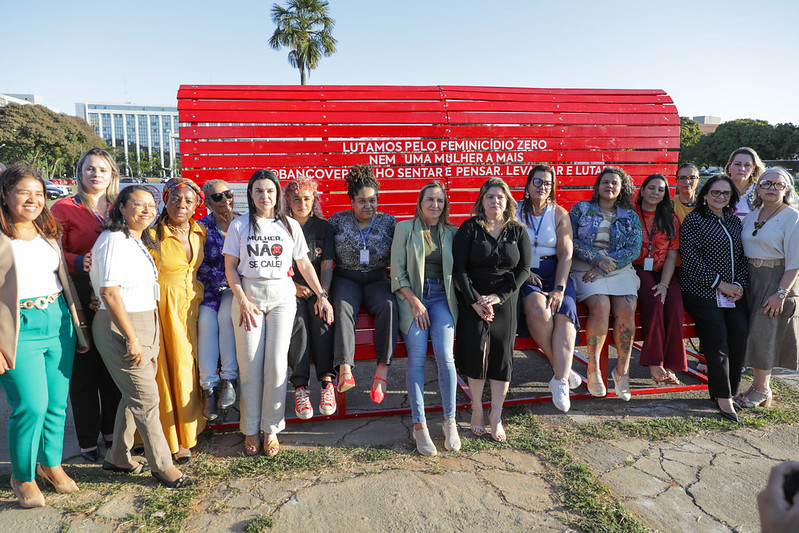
42	302
768	263
543	257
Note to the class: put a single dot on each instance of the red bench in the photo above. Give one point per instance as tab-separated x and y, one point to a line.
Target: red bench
411	135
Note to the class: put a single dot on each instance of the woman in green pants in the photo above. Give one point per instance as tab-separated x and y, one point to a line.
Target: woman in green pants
40	322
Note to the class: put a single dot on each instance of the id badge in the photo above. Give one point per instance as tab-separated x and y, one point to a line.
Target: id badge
364	257
536	263
649	263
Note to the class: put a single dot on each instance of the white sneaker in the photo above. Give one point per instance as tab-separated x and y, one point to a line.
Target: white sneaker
622	385
560	393
574	379
302	403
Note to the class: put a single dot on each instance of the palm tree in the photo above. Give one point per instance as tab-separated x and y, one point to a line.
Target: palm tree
305	27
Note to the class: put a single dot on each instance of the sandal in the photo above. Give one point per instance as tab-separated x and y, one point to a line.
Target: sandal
271	447
754	398
182	481
345	382
251	449
375	394
666	379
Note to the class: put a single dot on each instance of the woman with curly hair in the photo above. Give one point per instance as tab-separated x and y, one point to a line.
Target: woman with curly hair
363	253
312	337
607	238
491	255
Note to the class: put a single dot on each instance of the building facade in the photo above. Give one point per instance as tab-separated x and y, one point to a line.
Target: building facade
145	132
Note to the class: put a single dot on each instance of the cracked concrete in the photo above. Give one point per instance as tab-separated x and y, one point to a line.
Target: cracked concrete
703	482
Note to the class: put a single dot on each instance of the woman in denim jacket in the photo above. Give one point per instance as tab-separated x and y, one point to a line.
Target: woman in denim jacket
607	238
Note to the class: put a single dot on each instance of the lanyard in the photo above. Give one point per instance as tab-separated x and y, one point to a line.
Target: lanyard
531	225
92	211
369	229
147	254
649	231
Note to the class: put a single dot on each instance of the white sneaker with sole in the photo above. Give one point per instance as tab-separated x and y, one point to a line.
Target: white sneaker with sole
574	379
560	393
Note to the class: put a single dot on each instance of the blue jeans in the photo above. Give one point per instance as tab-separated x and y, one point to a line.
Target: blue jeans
216	342
442	333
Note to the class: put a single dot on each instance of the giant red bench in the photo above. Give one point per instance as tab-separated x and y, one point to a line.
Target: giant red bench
411	135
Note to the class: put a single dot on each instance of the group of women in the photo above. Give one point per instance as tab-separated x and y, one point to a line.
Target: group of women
186	311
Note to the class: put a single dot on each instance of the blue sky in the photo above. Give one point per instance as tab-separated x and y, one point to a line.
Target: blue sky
732	59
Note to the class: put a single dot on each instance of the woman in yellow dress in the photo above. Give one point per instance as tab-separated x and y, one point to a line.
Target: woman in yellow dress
182	241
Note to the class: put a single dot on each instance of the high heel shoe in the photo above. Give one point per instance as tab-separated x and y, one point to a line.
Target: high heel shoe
732	416
65	488
27	502
375	394
754	398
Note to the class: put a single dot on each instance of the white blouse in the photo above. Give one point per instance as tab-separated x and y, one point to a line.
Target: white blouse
122	261
776	239
37	265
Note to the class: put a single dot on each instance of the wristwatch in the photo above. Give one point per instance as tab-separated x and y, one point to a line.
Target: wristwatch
782	292
322	294
558	288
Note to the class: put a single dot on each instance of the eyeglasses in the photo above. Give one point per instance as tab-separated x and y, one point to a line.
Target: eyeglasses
217	196
538	182
720	194
141	206
776	185
683	179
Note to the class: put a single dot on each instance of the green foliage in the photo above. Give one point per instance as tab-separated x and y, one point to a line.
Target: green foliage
770	142
690	134
259	525
305	27
49	142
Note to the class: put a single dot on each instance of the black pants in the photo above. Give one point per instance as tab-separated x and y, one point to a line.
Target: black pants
372	290
311	338
722	333
92	391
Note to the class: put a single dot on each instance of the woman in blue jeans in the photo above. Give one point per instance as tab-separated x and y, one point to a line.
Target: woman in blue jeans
421	277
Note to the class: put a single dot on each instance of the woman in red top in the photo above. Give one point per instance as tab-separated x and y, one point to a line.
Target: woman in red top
93	393
659	297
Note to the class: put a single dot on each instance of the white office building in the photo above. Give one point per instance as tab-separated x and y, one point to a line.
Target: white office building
137	128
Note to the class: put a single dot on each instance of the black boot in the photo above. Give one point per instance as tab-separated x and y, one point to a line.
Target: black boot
227	393
209	405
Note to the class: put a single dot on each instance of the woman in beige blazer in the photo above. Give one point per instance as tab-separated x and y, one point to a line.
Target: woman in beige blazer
40	323
421	278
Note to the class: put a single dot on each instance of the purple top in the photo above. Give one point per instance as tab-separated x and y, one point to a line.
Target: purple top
212	270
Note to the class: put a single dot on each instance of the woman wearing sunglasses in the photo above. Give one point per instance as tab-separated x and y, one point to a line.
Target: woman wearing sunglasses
713	278
771	245
217	343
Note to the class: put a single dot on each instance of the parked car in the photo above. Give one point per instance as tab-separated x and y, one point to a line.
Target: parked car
56	191
135	179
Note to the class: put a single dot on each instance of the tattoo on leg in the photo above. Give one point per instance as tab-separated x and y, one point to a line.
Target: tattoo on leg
625	339
630	298
593	340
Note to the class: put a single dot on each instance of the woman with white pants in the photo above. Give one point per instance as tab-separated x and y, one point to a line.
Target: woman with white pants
259	249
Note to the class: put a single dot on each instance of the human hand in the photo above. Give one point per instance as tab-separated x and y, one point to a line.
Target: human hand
660	290
83	348
303	291
324	310
773	306
535	279
607	264
87	262
731	290
4	365
248	312
489	300
554	300
592	275
94	302
485	312
776	513
135	352
420	316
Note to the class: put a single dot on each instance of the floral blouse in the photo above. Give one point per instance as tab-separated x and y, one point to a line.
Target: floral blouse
212	270
350	241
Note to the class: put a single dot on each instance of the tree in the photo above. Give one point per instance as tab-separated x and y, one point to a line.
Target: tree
306	28
49	142
690	134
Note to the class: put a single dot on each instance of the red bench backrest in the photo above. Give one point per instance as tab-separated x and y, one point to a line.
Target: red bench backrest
458	135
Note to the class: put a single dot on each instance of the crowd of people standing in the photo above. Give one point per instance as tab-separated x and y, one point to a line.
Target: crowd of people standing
158	320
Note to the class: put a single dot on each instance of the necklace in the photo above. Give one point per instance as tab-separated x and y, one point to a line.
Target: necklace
178	231
759	224
688	204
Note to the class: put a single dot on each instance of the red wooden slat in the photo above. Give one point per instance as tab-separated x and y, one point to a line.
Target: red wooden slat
394	106
565	118
558	107
313	117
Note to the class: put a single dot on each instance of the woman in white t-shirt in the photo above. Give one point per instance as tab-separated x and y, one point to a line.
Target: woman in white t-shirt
259	249
125	330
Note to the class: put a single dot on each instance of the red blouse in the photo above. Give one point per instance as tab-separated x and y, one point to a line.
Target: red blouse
660	244
81	229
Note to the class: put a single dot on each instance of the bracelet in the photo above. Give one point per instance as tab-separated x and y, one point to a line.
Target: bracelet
782	293
322	294
664	286
129	344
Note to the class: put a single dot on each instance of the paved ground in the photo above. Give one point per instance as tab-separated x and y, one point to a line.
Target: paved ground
704	482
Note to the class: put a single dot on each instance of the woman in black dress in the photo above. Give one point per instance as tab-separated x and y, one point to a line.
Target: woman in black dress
491	256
